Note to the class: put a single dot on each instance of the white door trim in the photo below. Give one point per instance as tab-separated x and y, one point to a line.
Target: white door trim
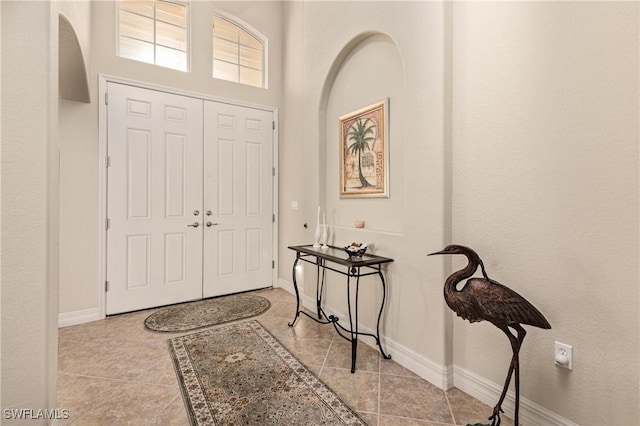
103	79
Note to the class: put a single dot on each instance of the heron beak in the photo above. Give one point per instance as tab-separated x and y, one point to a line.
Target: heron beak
438	252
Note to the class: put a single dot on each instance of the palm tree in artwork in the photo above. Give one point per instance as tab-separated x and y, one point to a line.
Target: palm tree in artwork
361	133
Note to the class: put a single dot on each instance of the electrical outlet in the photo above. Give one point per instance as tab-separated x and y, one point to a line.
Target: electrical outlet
563	355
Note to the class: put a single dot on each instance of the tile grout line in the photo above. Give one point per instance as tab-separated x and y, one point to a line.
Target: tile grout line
324	361
426	421
87	376
453	417
160	412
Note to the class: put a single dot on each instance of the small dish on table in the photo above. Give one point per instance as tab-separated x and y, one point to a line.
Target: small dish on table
355	250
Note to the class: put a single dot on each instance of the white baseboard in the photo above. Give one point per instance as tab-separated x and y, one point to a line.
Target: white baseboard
66	319
285	285
488	392
433	372
446	377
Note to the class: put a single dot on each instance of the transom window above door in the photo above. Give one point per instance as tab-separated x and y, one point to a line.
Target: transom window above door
154	31
239	54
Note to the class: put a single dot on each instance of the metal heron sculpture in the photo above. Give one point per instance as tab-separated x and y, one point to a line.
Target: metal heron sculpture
485	299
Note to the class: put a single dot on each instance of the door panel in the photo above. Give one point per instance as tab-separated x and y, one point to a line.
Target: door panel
154	186
238	147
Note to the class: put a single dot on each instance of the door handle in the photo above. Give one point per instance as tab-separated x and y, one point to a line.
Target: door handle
194	224
212	224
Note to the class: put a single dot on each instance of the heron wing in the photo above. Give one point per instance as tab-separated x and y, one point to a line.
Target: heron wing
501	305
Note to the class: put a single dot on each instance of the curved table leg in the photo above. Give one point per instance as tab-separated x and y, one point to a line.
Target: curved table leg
354	342
319	286
295	287
353	334
384	295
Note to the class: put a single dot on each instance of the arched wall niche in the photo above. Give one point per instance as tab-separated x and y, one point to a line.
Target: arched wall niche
72	74
367	70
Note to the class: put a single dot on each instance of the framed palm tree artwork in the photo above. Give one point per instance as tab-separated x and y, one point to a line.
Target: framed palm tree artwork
364	152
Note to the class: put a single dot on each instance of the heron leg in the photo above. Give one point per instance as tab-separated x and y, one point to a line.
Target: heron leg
516	342
521	334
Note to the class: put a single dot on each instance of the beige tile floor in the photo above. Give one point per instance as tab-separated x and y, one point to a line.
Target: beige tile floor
115	372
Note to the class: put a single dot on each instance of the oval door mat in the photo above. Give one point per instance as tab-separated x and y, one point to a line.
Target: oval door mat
205	313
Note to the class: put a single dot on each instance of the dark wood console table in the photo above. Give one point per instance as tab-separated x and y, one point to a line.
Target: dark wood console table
337	260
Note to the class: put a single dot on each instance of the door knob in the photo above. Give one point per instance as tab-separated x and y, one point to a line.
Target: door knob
208	213
212	224
194	224
196	212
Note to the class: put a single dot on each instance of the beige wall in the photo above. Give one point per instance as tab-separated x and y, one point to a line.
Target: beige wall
78	179
29	205
1	269
545	187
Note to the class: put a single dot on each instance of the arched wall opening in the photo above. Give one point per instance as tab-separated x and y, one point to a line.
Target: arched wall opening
369	69
72	73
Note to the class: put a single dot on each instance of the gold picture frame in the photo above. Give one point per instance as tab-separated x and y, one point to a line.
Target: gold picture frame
364	152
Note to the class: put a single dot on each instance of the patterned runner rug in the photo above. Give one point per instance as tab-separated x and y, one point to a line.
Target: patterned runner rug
204	313
239	374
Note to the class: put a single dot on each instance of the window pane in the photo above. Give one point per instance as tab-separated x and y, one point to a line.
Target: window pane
136	49
154	32
250	77
237	54
140	7
172	13
171	36
136	26
171	58
225	50
225	71
225	29
247	39
251	57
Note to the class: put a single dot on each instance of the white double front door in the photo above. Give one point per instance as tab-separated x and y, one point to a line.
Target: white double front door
189	198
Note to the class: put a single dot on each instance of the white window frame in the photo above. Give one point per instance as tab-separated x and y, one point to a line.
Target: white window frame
254	33
187	4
